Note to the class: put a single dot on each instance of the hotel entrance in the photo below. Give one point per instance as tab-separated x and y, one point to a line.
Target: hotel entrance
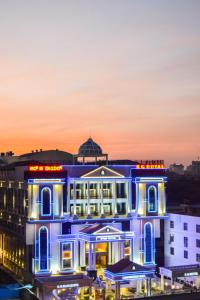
101	245
101	255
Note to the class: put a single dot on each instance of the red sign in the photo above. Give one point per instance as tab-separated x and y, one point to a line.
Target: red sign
150	166
45	168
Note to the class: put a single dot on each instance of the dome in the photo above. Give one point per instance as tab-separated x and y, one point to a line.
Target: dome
90	148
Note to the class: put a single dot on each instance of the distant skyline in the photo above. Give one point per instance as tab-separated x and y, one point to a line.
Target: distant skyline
126	73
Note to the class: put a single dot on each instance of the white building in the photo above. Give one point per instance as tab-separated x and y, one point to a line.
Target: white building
182	240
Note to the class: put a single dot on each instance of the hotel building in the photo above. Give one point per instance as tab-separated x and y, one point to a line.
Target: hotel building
61	224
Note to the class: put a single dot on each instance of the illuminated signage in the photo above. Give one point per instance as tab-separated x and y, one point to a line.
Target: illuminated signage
159	166
70	285
45	168
133	276
191	274
108	238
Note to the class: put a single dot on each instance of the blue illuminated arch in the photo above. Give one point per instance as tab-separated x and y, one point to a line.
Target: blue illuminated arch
152	198
148	243
43	248
46	201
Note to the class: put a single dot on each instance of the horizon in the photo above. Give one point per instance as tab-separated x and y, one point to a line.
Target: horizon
125	73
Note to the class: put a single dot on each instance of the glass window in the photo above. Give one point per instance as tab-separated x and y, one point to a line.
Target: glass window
185	254
46	202
43	249
148	246
198	228
198	257
171	250
121	192
171	238
185	241
185	226
198	243
152	199
67	256
171	224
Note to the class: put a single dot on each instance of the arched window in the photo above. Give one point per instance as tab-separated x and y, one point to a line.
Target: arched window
46	201
43	248
148	243
152	199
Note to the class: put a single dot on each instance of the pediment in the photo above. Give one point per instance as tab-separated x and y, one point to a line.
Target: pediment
108	230
102	172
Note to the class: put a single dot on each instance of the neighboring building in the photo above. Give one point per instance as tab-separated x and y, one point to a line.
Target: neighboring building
39	156
182	239
66	220
177	169
194	168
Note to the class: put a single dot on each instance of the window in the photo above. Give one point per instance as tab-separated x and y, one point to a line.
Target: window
46	201
198	243
185	226
198	228
171	238
148	243
198	257
152	199
171	250
43	248
67	256
171	224
185	254
185	241
120	190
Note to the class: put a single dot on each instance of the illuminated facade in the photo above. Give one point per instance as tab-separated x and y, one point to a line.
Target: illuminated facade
78	219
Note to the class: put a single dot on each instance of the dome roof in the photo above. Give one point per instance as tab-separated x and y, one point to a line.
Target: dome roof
90	148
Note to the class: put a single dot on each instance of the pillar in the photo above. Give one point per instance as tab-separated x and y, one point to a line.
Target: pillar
90	257
149	288
74	199
115	199
76	254
102	208
88	200
129	198
110	253
121	250
162	283
131	243
68	198
117	290
138	286
82	253
94	256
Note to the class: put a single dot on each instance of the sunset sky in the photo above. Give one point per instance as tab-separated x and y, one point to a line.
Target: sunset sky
125	72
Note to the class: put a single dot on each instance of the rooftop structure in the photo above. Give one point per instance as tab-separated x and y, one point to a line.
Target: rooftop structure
90	149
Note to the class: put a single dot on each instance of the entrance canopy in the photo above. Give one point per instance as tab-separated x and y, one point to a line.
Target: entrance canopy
103	233
180	271
127	270
63	281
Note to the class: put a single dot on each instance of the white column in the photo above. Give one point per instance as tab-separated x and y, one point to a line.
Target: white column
110	253
115	199
129	197
90	257
162	283
88	198
82	253
131	249
75	252
102	208
74	197
121	250
94	256
68	197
